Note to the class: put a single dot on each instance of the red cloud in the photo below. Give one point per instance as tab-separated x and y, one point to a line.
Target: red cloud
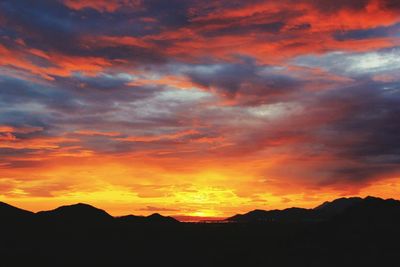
101	5
62	65
20	129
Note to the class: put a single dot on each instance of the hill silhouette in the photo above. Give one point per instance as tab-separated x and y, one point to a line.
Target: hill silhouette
330	208
77	213
371	210
343	232
11	213
323	212
286	215
153	218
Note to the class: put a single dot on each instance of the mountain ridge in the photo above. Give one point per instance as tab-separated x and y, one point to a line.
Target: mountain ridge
8	212
326	211
76	213
364	233
82	212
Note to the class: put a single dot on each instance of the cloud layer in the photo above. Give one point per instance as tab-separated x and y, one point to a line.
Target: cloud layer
200	108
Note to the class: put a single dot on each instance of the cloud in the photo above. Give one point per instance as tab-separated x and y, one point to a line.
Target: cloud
159	137
151	208
96	133
101	6
245	79
355	64
7	137
21	129
357	135
238	97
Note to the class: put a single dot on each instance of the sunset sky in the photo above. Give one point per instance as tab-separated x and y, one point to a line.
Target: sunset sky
198	108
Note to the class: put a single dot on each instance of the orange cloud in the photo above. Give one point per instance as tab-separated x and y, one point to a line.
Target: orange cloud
64	65
120	40
7	137
101	5
23	129
168	80
35	143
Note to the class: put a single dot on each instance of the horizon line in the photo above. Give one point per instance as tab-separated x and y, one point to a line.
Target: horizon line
189	218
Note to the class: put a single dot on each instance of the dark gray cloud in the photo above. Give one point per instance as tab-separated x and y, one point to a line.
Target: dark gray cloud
364	134
334	6
371	117
257	84
391	4
378	32
52	27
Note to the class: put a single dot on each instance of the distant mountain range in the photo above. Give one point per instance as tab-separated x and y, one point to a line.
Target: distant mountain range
345	232
342	208
76	214
354	207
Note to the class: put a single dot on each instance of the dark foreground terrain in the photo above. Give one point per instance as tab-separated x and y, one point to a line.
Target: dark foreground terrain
345	232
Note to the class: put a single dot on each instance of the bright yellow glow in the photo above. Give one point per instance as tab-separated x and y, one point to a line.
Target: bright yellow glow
217	188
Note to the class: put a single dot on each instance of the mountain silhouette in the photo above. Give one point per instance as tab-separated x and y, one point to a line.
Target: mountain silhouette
153	218
286	215
77	213
337	206
131	219
158	218
344	207
344	232
371	210
11	213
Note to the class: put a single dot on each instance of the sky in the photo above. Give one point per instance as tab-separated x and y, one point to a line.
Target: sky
203	108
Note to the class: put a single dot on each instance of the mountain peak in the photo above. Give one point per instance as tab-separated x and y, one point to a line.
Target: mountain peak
339	203
78	206
8	212
156	217
325	211
373	198
76	212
